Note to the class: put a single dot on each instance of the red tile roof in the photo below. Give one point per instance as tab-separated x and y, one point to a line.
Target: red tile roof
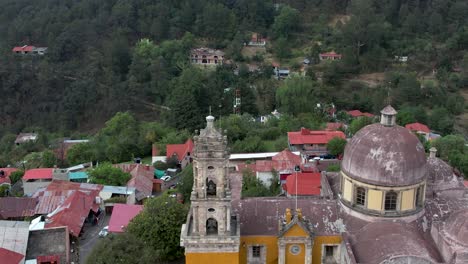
36	174
58	191
10	257
23	48
281	162
357	113
17	207
334	126
307	184
180	150
122	214
306	136
418	127
6	178
72	212
465	183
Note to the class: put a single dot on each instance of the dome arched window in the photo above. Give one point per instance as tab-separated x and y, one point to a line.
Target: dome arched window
391	201
360	196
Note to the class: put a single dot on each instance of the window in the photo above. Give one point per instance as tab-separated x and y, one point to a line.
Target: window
391	200
418	199
360	196
256	251
329	251
211	187
211	226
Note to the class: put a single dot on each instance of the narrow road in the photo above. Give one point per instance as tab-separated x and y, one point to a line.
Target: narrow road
90	238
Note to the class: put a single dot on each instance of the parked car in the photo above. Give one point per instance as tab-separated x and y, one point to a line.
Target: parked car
104	232
166	178
173	186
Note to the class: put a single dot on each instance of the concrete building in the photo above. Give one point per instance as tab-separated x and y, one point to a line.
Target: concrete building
388	204
207	56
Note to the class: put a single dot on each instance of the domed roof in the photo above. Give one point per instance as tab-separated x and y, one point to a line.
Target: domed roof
439	172
456	226
385	156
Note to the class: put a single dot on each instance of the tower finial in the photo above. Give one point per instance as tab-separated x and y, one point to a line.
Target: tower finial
210	109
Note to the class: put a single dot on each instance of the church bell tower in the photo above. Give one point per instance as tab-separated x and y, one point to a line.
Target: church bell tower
210	227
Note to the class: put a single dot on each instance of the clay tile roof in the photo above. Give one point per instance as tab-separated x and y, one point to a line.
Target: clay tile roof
10	257
389	110
23	48
180	150
307	184
306	136
36	174
122	214
7	172
12	207
357	113
418	127
374	156
334	126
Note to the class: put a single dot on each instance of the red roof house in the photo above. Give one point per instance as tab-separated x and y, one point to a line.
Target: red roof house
330	56
38	174
180	151
357	113
5	174
142	179
23	49
418	128
122	214
10	257
312	142
334	126
307	184
465	183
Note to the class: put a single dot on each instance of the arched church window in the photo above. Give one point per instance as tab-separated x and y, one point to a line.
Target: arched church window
210	187
360	196
419	197
211	226
391	201
210	168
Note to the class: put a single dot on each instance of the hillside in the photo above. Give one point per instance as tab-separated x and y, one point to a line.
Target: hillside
96	64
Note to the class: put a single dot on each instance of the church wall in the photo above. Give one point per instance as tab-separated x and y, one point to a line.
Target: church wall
270	243
348	190
374	201
319	242
407	200
203	258
291	258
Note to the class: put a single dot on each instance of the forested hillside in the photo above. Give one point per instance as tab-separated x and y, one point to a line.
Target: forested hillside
117	55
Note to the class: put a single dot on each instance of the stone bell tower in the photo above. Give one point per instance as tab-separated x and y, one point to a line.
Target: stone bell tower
210	226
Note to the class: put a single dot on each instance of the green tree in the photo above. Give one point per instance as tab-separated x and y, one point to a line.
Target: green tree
16	176
286	22
106	174
448	144
297	95
336	146
158	226
359	123
48	159
185	184
254	187
440	120
81	153
4	189
121	248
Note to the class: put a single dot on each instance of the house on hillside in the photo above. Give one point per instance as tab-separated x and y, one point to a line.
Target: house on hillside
26	137
30	50
420	129
181	152
312	143
330	56
357	113
35	179
257	40
5	175
206	56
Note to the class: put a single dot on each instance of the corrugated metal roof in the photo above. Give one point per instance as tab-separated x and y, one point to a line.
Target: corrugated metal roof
78	175
307	184
306	136
17	207
10	257
122	214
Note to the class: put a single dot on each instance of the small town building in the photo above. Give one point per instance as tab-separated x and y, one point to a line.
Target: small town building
207	56
257	40
121	216
14	237
26	137
303	184
357	113
35	179
312	143
5	175
330	56
50	246
420	129
78	176
181	152
281	73
111	193
142	180
30	50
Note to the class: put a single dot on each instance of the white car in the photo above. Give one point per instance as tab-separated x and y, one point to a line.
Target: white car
104	231
166	178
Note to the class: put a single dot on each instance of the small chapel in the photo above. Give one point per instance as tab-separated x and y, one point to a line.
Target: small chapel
391	203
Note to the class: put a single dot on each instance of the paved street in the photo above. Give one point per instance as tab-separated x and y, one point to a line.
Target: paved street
89	239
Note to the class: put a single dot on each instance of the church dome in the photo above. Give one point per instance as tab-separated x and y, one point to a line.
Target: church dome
385	155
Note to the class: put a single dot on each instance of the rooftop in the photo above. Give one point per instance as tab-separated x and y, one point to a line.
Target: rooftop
14	236
38	174
307	184
418	127
12	207
306	136
47	242
122	214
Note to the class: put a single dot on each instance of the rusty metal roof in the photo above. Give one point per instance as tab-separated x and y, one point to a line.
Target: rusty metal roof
17	207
